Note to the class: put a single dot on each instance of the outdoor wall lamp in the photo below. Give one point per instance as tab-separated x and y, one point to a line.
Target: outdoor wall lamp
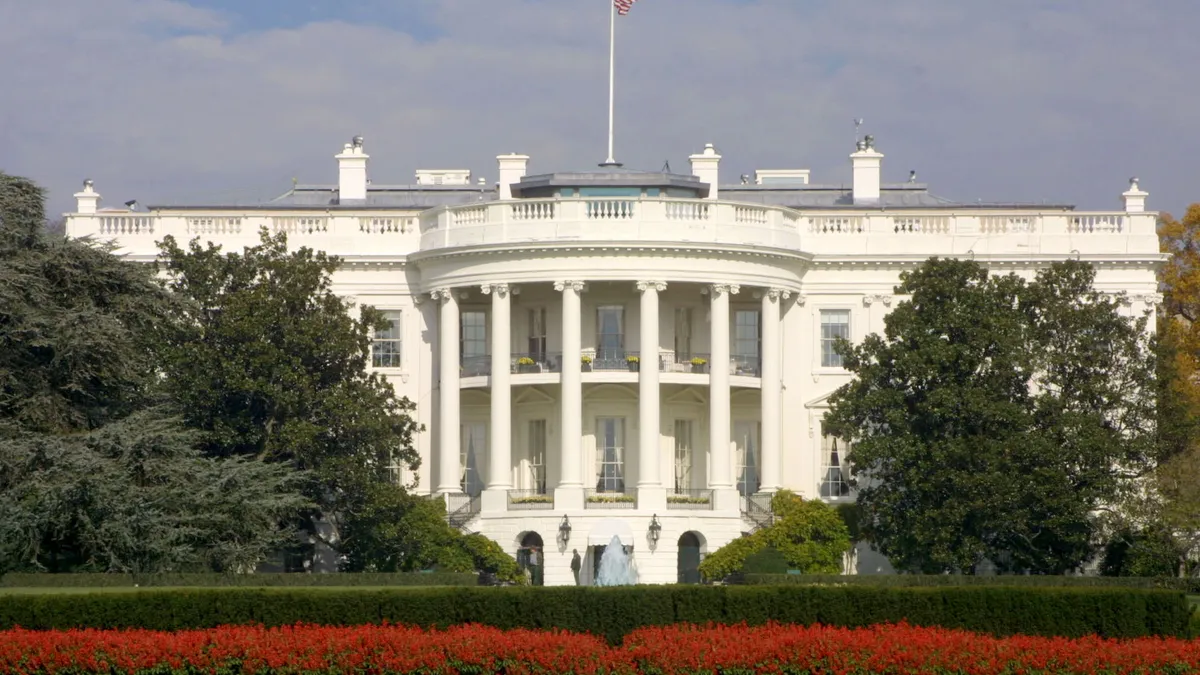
564	530
655	529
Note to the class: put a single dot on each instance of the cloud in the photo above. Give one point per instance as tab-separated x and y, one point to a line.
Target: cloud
163	101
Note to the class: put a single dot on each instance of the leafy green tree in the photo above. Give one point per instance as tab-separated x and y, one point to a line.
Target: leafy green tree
274	367
809	534
390	530
135	496
94	474
994	417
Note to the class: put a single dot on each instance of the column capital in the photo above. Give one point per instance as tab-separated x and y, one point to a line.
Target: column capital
501	289
1151	299
885	300
778	293
801	299
643	286
719	289
440	294
577	286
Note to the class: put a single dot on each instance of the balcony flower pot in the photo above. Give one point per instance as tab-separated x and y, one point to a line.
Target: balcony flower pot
698	365
526	365
633	362
585	364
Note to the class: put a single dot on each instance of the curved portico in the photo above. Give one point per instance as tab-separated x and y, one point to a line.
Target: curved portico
620	306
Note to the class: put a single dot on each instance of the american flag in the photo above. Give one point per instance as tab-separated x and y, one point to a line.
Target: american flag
623	6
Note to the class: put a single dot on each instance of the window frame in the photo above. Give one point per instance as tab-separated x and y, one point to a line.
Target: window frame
821	311
398	340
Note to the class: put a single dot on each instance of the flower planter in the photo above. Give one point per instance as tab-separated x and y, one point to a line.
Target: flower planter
527	369
633	366
698	368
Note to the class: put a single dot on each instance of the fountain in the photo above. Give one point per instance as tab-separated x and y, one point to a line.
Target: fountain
616	568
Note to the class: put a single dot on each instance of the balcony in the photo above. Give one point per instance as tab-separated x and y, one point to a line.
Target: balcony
615	219
690	500
603	499
530	500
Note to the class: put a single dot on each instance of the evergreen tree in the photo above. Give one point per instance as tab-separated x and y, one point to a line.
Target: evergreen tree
95	474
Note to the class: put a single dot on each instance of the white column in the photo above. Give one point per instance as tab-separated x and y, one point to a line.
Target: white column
571	398
500	445
648	396
448	427
719	436
772	385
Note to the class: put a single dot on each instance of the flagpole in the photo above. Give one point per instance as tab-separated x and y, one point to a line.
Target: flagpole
612	68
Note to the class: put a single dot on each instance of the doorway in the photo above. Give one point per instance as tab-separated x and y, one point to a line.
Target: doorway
531	559
688	560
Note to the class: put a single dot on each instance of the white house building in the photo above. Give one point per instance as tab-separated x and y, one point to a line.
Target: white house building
639	354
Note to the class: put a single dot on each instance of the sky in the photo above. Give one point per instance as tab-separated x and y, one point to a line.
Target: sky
203	101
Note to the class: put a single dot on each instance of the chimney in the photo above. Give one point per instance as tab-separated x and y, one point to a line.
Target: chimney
352	171
512	170
705	167
1134	197
87	201
866	162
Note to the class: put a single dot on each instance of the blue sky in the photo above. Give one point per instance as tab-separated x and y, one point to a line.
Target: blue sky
229	100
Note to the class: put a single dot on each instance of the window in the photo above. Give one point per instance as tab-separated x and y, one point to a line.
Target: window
473	446
537	334
747	340
537	455
835	473
473	344
610	454
683	456
386	347
683	334
610	337
835	323
745	437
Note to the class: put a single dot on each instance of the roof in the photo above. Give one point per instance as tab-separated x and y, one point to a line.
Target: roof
407	197
796	196
610	177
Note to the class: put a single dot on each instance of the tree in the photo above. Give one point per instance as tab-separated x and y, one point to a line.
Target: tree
389	530
274	367
135	496
78	325
95	473
808	534
995	416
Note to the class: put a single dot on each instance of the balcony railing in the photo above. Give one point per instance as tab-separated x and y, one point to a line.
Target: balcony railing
597	499
745	365
684	362
690	500
476	366
532	364
607	359
530	500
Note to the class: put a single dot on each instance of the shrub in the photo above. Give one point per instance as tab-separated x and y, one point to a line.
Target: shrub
766	561
343	579
615	612
809	533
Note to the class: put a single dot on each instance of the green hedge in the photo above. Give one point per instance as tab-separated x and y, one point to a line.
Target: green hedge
13	580
1188	585
613	612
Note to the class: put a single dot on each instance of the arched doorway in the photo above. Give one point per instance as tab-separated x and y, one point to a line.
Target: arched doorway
531	558
689	558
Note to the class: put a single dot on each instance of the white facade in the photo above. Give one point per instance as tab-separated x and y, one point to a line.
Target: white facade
614	348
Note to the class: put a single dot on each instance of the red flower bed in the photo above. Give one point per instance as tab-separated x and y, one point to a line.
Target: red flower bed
675	650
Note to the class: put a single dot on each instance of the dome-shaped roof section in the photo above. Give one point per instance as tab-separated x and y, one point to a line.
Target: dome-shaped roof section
611	181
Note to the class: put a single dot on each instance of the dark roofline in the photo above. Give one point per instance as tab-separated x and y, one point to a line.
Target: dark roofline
636	179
